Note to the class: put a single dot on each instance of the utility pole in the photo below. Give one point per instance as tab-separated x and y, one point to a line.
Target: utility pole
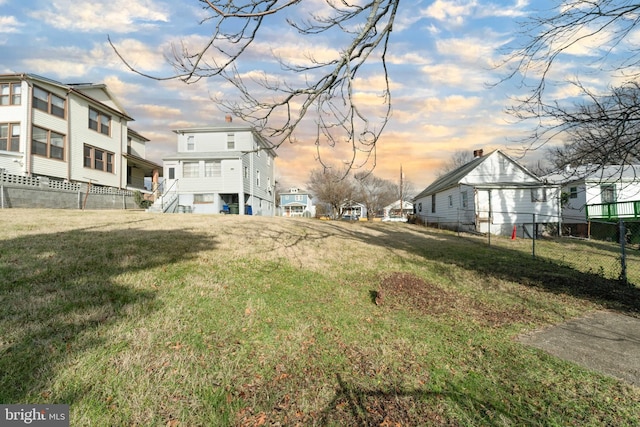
401	189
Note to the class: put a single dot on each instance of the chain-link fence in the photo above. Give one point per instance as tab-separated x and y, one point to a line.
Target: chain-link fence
608	249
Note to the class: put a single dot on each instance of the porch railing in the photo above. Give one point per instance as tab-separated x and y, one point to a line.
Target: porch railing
614	210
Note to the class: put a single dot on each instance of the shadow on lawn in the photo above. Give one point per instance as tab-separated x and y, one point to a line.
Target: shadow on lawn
58	293
499	262
357	406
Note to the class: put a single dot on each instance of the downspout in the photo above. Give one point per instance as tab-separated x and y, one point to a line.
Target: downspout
27	150
252	183
559	197
68	145
122	180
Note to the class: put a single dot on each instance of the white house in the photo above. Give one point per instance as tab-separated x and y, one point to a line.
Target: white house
597	192
352	210
491	193
69	132
297	203
228	168
397	211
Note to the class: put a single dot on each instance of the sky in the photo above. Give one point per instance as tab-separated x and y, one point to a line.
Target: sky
442	58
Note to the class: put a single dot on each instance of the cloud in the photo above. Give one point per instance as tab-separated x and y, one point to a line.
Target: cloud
60	69
116	16
452	12
138	55
9	24
454	75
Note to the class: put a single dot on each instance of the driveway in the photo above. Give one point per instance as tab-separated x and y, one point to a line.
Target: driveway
603	341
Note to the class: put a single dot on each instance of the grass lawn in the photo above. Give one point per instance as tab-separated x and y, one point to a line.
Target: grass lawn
192	320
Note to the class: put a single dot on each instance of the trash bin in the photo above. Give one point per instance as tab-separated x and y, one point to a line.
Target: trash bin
233	209
225	209
248	210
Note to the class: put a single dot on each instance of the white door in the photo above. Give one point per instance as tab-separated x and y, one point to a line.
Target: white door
483	210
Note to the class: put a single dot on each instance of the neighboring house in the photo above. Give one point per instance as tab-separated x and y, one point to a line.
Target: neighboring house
492	193
227	168
397	211
352	210
597	192
297	203
69	132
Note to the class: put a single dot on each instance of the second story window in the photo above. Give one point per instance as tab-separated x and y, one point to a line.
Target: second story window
48	102
10	136
99	122
191	145
257	178
231	141
47	143
10	93
573	192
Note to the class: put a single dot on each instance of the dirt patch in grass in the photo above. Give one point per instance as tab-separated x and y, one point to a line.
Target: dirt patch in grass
408	291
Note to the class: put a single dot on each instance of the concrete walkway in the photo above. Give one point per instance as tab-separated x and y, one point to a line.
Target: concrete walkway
603	341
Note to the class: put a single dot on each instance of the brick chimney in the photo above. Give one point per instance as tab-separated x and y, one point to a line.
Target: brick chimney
228	118
477	153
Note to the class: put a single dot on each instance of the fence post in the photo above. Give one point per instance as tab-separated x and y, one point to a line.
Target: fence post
623	255
533	236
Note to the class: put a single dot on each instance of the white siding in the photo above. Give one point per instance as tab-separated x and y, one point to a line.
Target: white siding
496	169
81	134
138	147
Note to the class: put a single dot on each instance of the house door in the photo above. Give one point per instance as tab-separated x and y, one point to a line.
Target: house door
608	198
483	210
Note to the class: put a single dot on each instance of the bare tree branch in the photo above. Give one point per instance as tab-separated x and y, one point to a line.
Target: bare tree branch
320	94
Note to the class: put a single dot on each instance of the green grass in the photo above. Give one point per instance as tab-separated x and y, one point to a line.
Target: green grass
138	319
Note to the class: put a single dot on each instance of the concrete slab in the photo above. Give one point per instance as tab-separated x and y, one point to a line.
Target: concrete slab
603	341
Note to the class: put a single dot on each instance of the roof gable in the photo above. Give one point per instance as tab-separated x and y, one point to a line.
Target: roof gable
494	168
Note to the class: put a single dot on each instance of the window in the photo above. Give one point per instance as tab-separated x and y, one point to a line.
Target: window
10	136
538	194
257	178
420	207
608	193
450	201
99	122
190	170
268	160
47	143
213	168
231	141
573	192
98	159
48	102
10	94
433	203
298	197
203	198
191	145
246	172
172	173
464	199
